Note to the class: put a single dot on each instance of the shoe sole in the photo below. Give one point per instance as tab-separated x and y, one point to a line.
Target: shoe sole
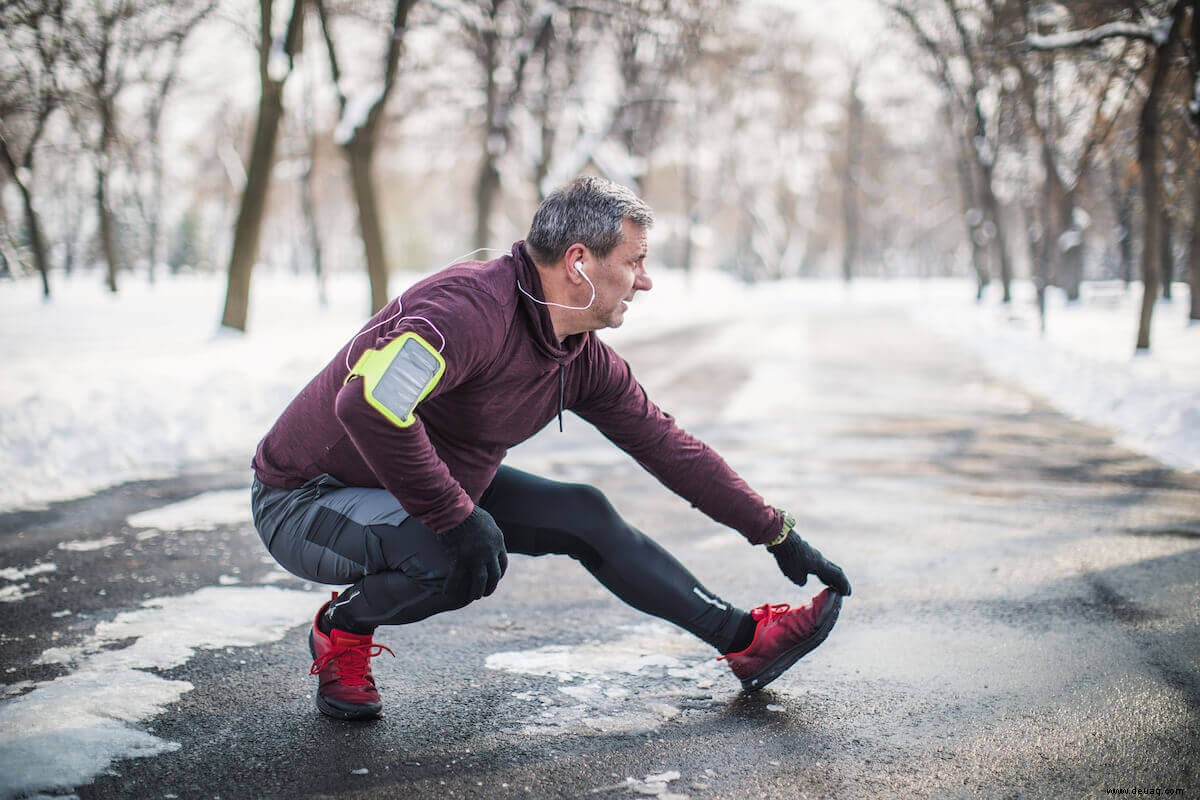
330	708
791	656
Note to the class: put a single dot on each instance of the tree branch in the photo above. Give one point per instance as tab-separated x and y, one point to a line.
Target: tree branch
1154	34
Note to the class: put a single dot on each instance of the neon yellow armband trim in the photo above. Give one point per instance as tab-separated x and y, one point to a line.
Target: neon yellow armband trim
398	376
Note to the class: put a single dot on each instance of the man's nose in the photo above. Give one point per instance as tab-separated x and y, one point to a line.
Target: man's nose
643	283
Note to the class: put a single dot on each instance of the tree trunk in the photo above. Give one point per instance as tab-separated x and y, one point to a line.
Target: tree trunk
359	152
309	209
1151	185
108	234
854	115
487	184
1070	250
1194	249
250	213
487	187
40	259
991	209
258	174
973	218
1122	200
1167	253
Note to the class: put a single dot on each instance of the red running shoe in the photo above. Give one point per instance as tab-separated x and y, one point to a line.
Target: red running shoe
784	634
343	662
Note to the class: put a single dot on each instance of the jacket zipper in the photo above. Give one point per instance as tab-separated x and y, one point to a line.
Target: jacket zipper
561	391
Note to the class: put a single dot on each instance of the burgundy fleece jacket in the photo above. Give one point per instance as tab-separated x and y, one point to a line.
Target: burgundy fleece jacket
504	374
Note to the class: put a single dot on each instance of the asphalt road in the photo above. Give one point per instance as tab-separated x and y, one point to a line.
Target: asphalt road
1025	619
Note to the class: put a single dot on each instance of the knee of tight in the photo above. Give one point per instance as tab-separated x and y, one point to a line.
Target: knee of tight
589	506
595	527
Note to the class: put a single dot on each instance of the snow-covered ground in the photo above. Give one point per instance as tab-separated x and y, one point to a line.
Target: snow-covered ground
99	389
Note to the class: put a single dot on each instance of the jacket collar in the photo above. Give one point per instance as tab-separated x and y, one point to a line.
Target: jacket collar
537	316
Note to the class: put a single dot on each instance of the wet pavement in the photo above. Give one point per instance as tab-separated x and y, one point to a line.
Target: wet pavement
1025	619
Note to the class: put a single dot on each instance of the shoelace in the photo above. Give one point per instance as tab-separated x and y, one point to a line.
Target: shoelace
770	613
353	661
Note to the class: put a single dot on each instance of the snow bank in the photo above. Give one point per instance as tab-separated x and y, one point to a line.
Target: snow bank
100	389
1085	363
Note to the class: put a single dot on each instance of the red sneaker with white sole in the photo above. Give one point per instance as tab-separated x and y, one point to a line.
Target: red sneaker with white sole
342	660
783	636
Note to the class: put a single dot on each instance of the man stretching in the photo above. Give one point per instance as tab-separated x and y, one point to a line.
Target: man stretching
385	472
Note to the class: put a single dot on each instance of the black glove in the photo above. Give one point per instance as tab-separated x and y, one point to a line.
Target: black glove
477	547
798	559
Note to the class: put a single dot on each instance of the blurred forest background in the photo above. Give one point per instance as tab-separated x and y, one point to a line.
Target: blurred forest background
1003	140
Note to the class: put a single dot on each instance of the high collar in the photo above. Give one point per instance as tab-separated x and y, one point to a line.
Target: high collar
537	316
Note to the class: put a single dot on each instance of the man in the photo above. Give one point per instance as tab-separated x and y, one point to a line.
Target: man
385	472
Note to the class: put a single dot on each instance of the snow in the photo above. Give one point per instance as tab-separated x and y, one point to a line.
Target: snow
1086	367
279	64
102	389
66	731
629	685
14	574
359	104
1156	33
201	513
88	545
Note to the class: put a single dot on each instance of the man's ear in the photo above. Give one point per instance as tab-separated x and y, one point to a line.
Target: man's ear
576	254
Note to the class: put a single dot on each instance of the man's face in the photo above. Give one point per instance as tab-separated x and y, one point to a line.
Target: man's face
619	276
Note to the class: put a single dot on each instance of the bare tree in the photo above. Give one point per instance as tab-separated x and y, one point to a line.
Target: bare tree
1161	33
961	65
655	39
1066	129
32	34
159	79
358	132
275	59
506	36
109	41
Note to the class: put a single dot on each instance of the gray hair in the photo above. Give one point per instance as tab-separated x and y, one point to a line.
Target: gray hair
587	210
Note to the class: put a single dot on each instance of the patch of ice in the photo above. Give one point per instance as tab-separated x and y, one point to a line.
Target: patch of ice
656	786
630	685
68	730
87	545
15	593
204	512
15	574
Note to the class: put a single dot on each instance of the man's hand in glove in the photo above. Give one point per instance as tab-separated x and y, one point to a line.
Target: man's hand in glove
477	547
798	559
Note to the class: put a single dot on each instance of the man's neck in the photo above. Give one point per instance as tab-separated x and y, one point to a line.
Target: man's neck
565	321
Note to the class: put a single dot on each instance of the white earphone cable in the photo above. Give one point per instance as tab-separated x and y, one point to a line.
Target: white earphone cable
400	310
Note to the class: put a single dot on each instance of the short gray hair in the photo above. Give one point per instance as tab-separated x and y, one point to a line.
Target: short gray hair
588	210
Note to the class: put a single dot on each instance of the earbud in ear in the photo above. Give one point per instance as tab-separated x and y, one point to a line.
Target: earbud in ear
579	266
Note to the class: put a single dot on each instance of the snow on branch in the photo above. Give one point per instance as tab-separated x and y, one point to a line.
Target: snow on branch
358	108
1156	34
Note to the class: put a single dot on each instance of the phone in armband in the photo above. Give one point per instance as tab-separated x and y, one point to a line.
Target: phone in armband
398	376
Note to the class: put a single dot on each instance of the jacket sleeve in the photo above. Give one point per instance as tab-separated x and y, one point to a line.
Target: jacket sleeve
613	401
404	458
